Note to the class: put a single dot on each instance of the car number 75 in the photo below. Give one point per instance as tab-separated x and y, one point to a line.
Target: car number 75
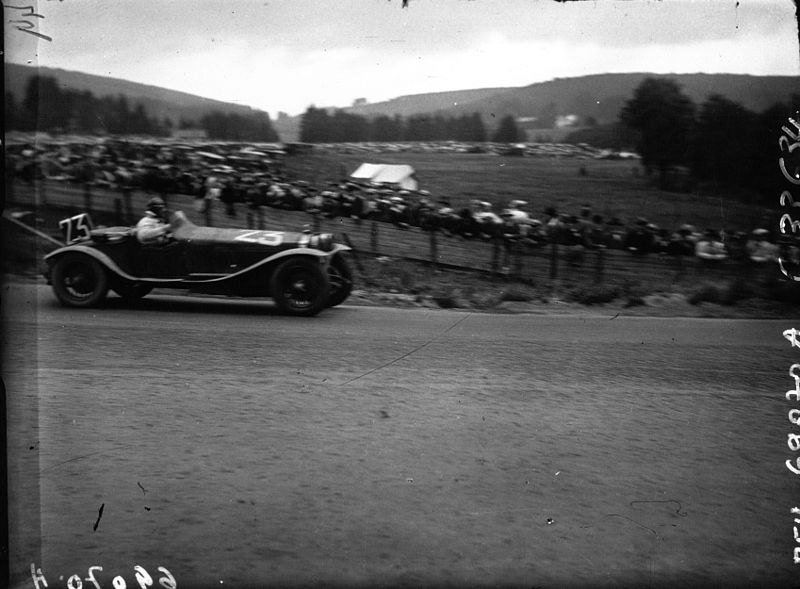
76	228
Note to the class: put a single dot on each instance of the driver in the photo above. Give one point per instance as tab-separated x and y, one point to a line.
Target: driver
153	227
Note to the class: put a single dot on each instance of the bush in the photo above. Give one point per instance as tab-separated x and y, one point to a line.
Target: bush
708	293
728	293
784	291
593	294
515	295
635	301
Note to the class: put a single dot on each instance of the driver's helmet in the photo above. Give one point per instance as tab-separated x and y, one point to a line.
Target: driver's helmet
157	205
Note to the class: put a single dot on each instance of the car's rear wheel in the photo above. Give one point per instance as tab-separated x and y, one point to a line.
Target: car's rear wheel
300	287
340	274
132	291
79	280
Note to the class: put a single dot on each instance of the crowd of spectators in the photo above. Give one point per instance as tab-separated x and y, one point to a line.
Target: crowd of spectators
256	178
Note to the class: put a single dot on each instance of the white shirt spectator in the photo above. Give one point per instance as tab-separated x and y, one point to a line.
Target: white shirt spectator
710	249
762	250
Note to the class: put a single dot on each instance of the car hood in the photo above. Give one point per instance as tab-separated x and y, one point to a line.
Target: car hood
188	231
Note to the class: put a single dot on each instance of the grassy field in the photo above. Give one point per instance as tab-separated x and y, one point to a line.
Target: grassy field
614	188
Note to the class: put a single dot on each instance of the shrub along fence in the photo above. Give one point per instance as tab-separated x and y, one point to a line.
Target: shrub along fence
550	263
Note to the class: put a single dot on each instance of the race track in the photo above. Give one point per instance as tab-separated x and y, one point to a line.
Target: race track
369	446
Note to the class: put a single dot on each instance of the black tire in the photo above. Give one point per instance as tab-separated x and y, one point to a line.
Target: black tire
340	274
300	287
132	291
79	280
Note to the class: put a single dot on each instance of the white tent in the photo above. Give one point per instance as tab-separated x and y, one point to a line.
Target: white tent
400	175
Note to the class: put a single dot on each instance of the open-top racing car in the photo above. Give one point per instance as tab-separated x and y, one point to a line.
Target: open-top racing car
302	272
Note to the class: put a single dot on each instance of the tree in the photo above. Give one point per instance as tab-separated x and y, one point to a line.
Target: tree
722	144
315	126
507	131
46	104
664	116
385	128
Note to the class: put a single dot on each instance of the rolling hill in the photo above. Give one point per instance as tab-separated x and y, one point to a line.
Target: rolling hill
599	96
160	102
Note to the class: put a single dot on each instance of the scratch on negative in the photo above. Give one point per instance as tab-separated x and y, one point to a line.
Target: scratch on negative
407	354
57	464
99	515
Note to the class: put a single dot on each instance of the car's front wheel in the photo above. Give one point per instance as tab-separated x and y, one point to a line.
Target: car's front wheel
79	280
300	287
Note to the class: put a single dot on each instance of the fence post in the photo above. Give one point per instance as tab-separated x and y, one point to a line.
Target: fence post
373	237
554	260
517	258
260	216
42	193
679	272
249	217
118	212
599	268
208	214
127	204
87	197
315	223
495	264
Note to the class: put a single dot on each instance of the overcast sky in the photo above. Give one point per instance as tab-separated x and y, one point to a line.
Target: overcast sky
284	55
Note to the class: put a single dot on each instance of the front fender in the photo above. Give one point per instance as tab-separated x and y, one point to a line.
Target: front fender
106	261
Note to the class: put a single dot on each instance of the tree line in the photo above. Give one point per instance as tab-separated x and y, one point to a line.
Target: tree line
318	125
45	106
719	142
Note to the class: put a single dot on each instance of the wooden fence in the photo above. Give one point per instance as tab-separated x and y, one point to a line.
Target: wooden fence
540	264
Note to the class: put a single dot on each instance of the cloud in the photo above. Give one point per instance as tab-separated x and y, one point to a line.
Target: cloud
284	56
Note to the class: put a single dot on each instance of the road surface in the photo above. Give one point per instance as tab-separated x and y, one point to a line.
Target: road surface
232	446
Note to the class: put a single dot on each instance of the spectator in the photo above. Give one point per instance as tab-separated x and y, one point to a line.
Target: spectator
616	234
553	227
639	240
710	247
574	239
760	248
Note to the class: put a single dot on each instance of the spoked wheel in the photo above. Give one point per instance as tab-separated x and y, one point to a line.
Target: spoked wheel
79	280
132	291
300	287
341	277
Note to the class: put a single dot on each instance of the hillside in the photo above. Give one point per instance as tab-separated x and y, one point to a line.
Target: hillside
159	102
599	96
602	96
423	103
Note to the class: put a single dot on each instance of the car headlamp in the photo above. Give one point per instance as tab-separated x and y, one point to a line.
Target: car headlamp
322	241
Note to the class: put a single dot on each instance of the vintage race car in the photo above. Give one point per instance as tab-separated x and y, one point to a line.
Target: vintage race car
302	272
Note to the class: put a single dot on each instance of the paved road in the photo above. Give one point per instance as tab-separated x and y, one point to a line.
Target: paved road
372	446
